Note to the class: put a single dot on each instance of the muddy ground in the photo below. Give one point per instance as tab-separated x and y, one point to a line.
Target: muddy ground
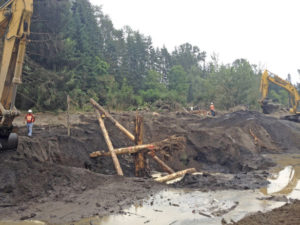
52	178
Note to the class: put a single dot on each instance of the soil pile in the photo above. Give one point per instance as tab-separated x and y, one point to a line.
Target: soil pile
232	142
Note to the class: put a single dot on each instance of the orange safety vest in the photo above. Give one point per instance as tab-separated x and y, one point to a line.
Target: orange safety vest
212	107
29	118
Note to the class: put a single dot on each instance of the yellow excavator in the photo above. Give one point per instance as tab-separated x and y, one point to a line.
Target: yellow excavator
15	20
268	77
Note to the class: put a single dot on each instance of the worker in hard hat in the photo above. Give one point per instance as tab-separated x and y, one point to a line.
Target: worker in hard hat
212	109
29	120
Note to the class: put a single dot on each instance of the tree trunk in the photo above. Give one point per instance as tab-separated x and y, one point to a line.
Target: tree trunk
109	145
140	168
116	123
125	150
162	164
175	175
68	115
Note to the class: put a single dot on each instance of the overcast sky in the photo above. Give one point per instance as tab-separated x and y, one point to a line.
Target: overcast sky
265	32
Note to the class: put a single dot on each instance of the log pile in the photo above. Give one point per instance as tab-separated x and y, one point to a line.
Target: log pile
165	147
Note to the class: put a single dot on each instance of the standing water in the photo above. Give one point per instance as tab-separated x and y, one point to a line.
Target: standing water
286	177
188	207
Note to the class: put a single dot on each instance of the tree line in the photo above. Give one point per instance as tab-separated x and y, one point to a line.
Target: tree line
75	50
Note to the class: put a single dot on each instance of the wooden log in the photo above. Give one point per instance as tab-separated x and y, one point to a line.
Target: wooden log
175	175
109	145
125	150
139	159
166	146
115	122
68	115
162	164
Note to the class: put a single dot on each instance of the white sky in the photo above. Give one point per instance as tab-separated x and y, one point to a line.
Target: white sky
265	32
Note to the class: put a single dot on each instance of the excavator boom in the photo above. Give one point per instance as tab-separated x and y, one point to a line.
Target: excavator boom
15	20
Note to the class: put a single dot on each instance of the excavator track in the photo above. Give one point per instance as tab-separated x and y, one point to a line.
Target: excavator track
9	143
294	118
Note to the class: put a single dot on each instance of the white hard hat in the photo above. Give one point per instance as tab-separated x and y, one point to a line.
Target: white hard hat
211	103
30	111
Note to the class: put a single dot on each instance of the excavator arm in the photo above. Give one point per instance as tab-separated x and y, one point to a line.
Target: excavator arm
268	77
15	20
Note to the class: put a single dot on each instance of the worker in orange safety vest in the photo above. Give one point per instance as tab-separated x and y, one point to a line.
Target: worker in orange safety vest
29	120
212	109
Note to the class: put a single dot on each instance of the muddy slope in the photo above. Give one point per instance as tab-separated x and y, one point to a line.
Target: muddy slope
230	143
56	193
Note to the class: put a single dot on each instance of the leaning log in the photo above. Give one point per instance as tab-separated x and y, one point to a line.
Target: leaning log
115	122
68	115
162	164
165	147
139	157
175	175
109	145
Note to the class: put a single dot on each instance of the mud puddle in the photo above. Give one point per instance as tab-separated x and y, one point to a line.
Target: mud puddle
187	207
286	177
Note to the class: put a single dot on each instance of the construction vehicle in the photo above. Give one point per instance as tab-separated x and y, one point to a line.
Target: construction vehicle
268	77
15	20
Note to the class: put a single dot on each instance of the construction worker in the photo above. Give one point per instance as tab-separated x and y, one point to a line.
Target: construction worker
29	120
212	109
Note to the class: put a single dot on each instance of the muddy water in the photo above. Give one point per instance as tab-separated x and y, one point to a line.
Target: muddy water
286	177
188	207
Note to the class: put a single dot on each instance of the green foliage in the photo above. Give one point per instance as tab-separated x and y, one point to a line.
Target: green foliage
76	51
153	89
178	83
281	96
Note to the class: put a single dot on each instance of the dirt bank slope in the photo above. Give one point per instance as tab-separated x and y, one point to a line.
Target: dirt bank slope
230	143
57	194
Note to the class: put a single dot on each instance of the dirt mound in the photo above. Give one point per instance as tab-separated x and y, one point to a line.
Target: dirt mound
275	134
229	143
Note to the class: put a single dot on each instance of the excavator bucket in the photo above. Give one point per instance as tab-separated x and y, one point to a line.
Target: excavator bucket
294	118
9	143
268	106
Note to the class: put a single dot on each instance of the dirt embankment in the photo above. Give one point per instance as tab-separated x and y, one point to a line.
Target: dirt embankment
52	178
